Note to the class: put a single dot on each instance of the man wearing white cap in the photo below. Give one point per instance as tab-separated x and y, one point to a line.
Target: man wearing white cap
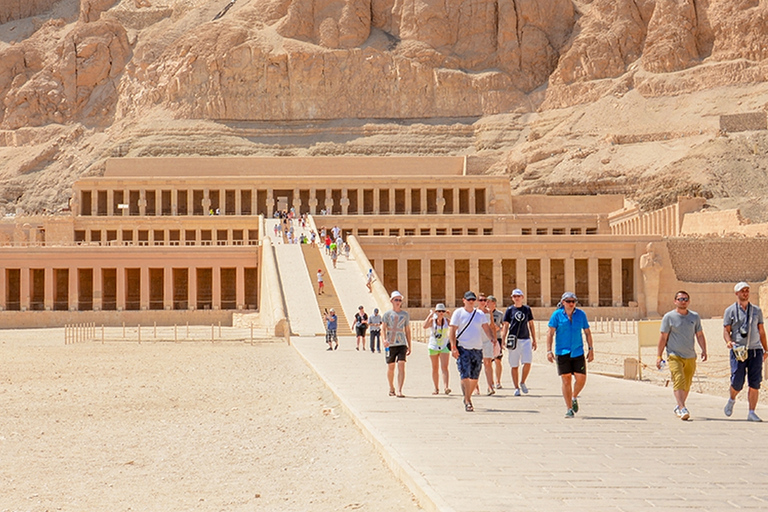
744	335
396	331
565	327
519	336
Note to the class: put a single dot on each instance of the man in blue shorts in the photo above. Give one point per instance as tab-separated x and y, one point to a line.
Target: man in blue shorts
565	326
466	335
744	334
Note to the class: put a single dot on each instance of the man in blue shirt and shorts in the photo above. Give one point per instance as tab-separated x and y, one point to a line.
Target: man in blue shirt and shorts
565	326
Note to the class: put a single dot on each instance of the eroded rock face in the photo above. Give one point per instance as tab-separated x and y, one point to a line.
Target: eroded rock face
78	80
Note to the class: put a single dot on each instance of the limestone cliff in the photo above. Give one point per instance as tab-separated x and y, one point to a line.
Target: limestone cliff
518	85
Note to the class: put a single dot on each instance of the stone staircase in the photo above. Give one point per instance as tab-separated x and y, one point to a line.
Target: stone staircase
329	299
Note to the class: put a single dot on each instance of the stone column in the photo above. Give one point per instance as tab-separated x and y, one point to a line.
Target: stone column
94	203
312	207
345	201
255	202
216	287
456	203
206	201
238	202
521	274
408	200
570	275
360	201
120	288
297	202
25	288
98	289
546	282
376	201
3	288
426	283
617	298
402	277
144	288
450	283
594	283
110	202
168	287
48	297
159	202
423	204
239	287
126	201
392	203
472	209
192	288
142	202
498	283
74	290
474	277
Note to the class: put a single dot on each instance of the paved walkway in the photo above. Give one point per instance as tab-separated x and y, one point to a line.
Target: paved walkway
625	450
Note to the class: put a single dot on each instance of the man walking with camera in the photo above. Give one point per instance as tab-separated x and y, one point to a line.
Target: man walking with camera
519	335
744	335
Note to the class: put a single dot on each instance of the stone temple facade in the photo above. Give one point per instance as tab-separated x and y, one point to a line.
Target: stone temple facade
171	240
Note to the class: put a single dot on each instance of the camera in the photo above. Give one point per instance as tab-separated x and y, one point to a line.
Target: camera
743	331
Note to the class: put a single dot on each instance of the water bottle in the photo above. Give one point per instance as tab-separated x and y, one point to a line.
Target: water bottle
663	365
386	351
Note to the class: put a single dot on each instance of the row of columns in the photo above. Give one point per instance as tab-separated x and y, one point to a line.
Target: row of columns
664	222
121	288
521	278
271	201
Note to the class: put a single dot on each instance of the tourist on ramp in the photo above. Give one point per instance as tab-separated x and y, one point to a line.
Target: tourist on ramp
439	346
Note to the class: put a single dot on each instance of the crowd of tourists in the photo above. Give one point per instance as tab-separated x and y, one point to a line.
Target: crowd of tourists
477	334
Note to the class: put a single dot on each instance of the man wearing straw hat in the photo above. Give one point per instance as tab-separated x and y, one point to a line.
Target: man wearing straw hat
744	334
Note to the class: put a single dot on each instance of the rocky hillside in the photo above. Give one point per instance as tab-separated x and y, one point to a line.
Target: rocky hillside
563	96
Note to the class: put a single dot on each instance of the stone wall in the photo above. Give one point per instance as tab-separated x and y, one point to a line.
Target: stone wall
721	260
744	122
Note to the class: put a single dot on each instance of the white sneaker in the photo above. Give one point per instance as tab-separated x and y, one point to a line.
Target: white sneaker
517	392
753	417
678	413
684	414
524	387
729	407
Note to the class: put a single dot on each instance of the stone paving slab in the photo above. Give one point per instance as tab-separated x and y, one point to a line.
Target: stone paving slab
624	451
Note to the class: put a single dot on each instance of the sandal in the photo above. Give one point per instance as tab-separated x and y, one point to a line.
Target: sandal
391	392
468	407
436	392
447	391
400	395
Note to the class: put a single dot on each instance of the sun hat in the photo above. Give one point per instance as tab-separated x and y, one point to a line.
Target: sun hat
395	294
440	307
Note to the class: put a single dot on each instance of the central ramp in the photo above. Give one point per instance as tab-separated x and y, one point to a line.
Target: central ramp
625	450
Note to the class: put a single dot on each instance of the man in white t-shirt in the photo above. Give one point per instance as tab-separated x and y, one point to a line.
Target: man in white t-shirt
467	328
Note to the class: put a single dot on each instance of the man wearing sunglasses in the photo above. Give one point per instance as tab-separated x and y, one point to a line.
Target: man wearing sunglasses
679	328
565	326
468	325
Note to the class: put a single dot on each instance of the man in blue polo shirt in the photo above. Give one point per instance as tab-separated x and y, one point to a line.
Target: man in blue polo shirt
565	326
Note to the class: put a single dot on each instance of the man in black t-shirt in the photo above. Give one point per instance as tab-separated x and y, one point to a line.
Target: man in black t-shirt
519	335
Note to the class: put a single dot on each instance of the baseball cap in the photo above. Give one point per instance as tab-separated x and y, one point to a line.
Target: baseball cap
491	298
440	307
470	295
395	294
517	291
740	286
568	295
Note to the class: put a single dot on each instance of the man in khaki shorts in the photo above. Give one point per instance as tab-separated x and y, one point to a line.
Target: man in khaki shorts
679	328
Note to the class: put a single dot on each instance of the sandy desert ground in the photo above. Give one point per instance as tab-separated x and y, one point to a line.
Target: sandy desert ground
177	426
